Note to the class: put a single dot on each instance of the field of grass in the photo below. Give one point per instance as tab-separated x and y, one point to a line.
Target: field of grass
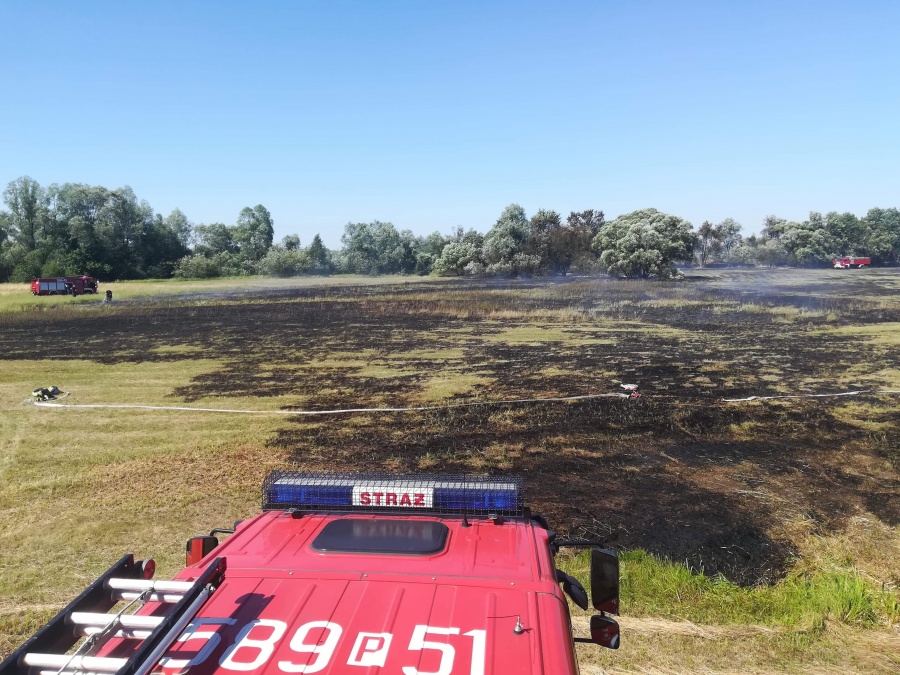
755	537
17	297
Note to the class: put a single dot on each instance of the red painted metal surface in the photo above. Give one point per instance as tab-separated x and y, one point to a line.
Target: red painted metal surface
488	603
63	285
847	262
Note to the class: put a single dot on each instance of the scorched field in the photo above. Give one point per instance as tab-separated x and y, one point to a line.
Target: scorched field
757	536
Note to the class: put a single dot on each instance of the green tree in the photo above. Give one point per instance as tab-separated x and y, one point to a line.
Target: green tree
360	252
284	262
847	234
197	266
181	227
772	253
25	199
215	238
291	242
378	248
120	223
644	243
541	228
470	236
434	244
590	221
560	244
159	247
504	249
456	257
781	240
808	243
574	248
76	209
319	256
254	231
774	227
708	242
427	251
23	265
6	264
883	235
729	235
5	226
409	260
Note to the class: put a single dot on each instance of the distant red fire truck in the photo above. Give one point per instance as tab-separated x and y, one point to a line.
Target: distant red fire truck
345	573
848	261
64	286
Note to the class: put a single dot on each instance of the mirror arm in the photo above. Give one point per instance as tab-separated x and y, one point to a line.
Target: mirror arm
579	543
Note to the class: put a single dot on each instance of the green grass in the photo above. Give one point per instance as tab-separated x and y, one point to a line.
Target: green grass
802	601
677	620
79	488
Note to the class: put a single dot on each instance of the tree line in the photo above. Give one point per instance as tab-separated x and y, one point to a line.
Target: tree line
69	229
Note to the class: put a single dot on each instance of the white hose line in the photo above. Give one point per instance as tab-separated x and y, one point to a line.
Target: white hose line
346	411
44	404
843	393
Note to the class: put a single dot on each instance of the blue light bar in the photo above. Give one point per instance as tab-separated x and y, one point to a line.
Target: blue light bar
459	498
380	492
325	495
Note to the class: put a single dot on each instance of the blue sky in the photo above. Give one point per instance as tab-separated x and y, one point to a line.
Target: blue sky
433	115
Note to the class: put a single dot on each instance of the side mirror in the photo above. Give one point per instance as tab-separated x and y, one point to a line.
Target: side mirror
198	548
605	631
604	582
573	589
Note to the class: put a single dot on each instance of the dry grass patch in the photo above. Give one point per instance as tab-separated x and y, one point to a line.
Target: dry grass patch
78	488
179	350
660	647
537	334
448	385
865	545
865	415
434	355
881	334
528	334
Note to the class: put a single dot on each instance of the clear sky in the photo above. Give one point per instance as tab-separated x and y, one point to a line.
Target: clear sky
437	114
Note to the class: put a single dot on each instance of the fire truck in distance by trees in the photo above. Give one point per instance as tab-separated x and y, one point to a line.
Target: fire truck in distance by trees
64	286
345	573
848	261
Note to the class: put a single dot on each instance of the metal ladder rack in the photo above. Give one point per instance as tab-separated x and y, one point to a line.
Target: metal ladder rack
85	617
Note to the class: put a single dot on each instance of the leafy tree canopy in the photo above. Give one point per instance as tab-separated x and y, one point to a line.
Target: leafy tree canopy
215	238
254	231
645	243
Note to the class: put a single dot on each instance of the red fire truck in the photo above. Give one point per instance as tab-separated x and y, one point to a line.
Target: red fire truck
344	573
64	286
848	261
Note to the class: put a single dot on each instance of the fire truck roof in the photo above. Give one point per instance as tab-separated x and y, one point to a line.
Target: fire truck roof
393	574
398	593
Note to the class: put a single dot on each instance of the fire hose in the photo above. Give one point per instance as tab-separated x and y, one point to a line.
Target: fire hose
342	411
842	393
633	394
